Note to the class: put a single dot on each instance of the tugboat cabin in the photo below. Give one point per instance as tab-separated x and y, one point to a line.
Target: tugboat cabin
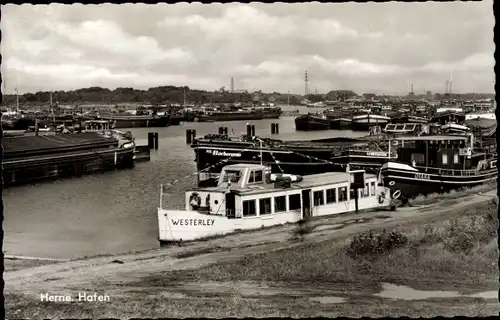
450	154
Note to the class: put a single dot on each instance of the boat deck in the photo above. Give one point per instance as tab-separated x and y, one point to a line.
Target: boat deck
21	144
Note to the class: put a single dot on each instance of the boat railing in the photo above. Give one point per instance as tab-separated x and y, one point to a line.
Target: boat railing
449	172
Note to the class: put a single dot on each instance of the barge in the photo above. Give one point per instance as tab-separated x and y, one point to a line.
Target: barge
311	122
140	121
294	157
249	197
30	158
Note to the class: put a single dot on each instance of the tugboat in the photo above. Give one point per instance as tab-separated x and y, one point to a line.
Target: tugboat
438	163
249	197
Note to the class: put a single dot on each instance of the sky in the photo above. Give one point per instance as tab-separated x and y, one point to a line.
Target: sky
364	47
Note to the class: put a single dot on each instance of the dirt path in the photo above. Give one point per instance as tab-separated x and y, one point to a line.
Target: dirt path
101	274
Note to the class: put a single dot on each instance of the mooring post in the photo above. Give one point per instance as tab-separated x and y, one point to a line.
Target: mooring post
356	198
225	131
189	136
253	130
221	130
156	140
249	130
276	128
193	135
151	142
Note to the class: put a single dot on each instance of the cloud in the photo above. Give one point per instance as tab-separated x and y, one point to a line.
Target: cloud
362	47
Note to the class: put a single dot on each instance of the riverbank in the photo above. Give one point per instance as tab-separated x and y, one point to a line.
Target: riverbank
270	273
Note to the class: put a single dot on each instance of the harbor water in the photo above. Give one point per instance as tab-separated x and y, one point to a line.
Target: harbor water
115	212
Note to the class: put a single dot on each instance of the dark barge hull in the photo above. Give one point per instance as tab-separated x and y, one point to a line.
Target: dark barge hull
294	158
130	122
33	158
414	183
341	124
63	165
230	117
311	123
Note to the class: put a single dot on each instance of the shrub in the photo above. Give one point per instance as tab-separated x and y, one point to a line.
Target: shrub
375	244
303	228
462	242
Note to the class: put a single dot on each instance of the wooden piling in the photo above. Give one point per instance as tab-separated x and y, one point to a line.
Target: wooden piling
156	140
275	128
189	136
151	142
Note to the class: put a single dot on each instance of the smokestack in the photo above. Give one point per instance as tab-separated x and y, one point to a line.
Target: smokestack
232	85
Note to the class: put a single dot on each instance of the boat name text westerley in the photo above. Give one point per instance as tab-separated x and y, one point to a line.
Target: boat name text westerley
193	222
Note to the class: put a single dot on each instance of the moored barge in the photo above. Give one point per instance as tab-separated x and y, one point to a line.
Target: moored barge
30	158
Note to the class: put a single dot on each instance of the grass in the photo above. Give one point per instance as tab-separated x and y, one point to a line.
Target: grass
454	194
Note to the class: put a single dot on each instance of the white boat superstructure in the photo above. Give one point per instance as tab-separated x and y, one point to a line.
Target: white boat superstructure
247	197
486	115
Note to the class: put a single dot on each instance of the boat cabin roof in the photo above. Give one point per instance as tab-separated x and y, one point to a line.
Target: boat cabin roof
309	181
425	138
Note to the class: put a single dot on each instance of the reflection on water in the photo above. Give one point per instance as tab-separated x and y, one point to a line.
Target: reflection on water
115	211
393	291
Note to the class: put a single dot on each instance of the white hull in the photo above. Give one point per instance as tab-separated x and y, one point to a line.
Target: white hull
188	225
370	119
490	116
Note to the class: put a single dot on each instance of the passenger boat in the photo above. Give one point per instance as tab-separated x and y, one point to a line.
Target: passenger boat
364	122
438	163
248	197
312	122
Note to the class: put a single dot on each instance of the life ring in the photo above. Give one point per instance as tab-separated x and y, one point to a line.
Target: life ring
391	183
381	198
396	194
195	201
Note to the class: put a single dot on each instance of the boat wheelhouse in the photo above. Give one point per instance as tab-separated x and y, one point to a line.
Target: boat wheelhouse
248	197
430	164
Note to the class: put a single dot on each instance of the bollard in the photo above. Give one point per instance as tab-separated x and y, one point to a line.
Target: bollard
189	136
253	130
221	130
249	130
276	128
156	140
193	135
151	142
225	131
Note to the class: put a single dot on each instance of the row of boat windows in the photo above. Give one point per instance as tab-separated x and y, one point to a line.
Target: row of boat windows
294	200
419	158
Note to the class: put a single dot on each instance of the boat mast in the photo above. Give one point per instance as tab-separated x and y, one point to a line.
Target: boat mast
260	144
